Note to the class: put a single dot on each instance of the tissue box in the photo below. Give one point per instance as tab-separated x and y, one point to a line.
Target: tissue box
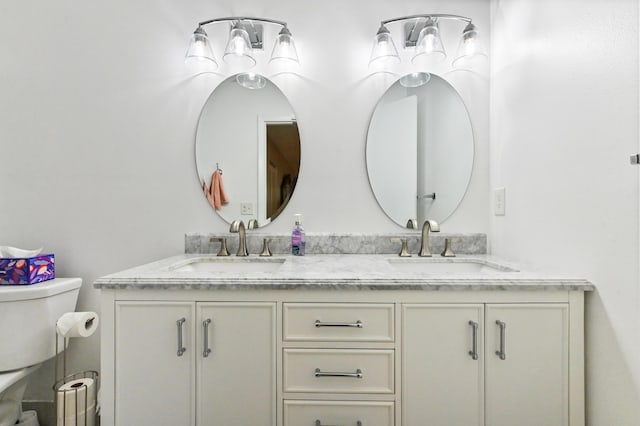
27	271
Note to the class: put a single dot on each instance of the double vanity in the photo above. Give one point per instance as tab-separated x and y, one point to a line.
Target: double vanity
341	339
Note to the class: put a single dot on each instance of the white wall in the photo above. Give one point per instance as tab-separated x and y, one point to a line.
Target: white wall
98	116
564	120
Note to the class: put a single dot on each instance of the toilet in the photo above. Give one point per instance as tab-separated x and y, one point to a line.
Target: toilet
28	315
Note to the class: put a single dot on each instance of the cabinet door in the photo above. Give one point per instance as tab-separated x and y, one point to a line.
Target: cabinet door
527	364
154	383
237	379
441	373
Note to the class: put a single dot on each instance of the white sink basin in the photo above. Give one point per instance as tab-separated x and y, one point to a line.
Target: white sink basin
227	264
447	266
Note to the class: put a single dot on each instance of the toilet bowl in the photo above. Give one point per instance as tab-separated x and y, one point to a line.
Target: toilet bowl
28	315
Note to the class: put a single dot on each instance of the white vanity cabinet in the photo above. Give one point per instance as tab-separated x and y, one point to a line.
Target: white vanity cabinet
194	363
339	364
526	364
154	384
493	364
442	364
236	370
269	349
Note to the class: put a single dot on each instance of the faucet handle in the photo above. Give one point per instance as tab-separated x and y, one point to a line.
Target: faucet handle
265	248
223	246
252	224
448	252
404	251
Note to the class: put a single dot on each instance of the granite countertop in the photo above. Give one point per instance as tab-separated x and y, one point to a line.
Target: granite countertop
338	271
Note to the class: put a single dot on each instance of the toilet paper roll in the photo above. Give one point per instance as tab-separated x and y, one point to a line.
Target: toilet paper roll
76	398
84	418
77	324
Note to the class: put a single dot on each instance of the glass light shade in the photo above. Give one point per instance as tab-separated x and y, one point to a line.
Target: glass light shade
470	47
200	49
384	50
239	51
429	43
415	79
284	47
251	80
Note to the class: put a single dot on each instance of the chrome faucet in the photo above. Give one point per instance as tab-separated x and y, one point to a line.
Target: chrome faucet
429	225
237	226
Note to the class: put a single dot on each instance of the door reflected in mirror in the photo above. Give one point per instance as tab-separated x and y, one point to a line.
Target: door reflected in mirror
283	164
419	151
247	151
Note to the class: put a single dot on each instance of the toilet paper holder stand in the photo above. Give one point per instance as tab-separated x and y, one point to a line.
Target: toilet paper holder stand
81	401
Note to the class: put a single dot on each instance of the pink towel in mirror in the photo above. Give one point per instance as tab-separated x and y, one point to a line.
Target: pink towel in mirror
216	195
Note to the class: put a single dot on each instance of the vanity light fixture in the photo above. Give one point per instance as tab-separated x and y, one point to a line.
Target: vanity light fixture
246	34
422	33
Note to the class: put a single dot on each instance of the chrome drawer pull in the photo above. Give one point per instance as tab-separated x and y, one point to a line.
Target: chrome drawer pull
503	336
357	324
181	349
319	423
357	374
205	331
474	340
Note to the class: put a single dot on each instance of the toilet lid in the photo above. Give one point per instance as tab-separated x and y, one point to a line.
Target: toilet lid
11	293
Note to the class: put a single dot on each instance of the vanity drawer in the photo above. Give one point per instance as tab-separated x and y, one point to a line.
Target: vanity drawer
347	413
338	322
339	370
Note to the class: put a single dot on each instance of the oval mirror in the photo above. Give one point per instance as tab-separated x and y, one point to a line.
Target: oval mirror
247	149
419	150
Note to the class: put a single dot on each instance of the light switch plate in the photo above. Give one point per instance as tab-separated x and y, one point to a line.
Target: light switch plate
499	208
246	209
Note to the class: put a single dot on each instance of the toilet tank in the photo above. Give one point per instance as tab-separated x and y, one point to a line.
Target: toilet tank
28	315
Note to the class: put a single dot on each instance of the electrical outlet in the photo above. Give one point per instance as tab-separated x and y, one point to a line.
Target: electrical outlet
246	209
499	208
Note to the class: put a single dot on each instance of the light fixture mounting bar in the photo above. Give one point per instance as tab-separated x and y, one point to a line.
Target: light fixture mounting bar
249	25
427	16
417	23
243	18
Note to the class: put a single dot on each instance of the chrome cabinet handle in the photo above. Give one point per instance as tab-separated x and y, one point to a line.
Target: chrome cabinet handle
357	374
357	324
474	340
503	336
181	349
205	334
319	423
